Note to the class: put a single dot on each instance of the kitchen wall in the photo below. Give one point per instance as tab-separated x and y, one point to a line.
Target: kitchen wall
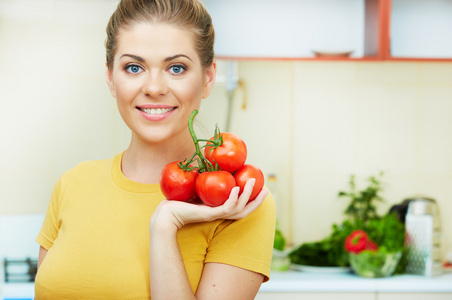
56	108
316	123
312	124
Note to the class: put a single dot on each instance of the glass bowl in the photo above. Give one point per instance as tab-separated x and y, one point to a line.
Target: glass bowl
280	260
374	264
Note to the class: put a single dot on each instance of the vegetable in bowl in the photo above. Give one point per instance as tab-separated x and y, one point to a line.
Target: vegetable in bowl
383	233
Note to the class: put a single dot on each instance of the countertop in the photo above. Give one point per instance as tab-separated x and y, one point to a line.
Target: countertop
299	281
17	291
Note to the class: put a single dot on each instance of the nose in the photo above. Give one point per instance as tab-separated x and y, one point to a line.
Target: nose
155	85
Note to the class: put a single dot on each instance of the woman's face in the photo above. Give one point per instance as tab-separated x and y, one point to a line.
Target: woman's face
158	81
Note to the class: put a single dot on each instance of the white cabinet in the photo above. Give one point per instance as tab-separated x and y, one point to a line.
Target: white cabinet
287	28
414	296
292	285
316	296
352	296
372	29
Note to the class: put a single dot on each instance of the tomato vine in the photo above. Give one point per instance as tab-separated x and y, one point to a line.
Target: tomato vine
204	165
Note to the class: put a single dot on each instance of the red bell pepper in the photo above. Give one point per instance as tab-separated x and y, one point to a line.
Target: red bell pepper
356	241
359	241
371	246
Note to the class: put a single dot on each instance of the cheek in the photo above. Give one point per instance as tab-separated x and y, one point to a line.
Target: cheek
189	91
126	90
125	94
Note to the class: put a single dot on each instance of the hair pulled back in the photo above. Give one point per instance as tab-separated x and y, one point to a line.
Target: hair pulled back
186	14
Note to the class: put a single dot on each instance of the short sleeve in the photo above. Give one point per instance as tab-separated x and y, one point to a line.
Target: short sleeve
51	225
247	243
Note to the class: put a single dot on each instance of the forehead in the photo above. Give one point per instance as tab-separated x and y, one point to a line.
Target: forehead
156	40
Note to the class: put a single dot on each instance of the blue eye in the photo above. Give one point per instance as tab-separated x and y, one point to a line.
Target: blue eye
177	69
133	69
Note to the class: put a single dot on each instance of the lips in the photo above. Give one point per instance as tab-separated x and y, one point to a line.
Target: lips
155	112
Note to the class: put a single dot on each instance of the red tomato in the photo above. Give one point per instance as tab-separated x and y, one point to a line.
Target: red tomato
230	156
246	172
213	188
177	184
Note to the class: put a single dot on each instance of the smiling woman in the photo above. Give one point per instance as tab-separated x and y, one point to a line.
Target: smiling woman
165	77
109	233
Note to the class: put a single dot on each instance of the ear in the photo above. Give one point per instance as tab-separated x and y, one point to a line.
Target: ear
109	79
209	82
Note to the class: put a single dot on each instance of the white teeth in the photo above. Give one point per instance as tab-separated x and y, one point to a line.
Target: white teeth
156	111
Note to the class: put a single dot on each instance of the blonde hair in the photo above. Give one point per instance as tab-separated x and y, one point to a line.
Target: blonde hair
186	14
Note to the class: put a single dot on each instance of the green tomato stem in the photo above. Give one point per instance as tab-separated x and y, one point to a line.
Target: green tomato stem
203	164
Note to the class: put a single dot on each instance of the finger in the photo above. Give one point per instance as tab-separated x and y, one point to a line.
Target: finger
251	205
209	213
228	207
235	204
247	190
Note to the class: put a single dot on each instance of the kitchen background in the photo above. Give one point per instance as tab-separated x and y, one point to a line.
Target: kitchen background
312	124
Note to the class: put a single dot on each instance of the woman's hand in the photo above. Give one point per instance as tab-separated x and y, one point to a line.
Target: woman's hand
179	213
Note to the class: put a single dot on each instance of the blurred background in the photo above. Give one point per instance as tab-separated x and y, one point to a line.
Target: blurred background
309	122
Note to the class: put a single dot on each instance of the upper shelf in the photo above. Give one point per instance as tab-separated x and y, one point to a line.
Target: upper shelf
287	28
295	29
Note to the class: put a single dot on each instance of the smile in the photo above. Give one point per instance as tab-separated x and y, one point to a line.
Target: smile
156	111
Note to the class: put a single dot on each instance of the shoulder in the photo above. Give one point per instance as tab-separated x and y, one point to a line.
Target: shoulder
246	243
263	219
266	211
86	170
93	165
269	203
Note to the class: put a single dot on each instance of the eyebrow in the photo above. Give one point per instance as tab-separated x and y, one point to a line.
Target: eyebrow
140	59
170	58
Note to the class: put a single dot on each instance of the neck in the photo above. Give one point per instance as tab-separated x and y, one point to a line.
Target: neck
143	162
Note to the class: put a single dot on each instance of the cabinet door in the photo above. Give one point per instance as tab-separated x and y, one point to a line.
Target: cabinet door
316	296
414	296
421	28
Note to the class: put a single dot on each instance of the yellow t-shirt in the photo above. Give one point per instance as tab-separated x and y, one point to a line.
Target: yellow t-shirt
96	231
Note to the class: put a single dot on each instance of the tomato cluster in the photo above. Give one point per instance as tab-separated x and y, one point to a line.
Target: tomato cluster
221	167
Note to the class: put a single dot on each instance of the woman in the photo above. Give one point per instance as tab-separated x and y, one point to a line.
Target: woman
108	232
